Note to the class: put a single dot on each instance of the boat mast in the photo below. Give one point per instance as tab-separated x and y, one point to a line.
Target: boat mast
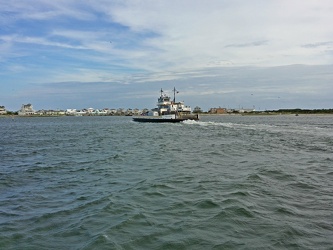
174	94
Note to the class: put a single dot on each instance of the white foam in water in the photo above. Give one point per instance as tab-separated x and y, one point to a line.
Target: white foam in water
201	123
210	123
190	122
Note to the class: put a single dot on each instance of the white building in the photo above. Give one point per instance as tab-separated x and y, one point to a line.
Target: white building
3	110
26	110
70	111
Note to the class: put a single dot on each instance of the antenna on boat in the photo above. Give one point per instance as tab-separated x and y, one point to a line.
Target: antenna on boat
161	92
174	94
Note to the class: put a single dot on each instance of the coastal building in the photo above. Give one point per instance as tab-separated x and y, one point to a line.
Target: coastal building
70	111
136	111
246	110
197	109
26	109
100	112
50	112
120	111
129	111
112	111
81	112
90	111
3	110
217	111
242	110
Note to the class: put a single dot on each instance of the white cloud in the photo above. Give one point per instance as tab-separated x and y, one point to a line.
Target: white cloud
193	32
42	10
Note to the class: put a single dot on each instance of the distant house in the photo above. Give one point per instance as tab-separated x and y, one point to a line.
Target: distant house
50	112
112	111
100	112
144	111
217	111
120	111
242	110
26	109
197	109
70	111
129	111
90	110
136	111
246	110
3	110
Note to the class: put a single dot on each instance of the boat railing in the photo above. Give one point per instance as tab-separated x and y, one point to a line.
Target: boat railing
188	116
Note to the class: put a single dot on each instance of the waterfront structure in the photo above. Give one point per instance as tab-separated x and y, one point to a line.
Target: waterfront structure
112	111
26	109
249	110
70	111
136	111
242	110
197	110
217	111
50	112
3	110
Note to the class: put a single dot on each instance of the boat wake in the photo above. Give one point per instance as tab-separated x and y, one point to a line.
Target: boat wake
191	122
291	129
208	123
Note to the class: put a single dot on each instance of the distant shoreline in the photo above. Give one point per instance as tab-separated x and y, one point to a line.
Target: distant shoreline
214	111
200	114
268	114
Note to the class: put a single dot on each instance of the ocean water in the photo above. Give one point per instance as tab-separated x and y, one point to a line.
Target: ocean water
224	182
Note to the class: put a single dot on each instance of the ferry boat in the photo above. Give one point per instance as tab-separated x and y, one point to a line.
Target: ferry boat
168	111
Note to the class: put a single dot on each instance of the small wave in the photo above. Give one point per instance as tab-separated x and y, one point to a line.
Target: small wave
234	212
290	231
136	219
162	186
154	194
101	241
302	185
254	177
277	174
229	244
239	193
206	204
82	198
285	211
221	216
230	201
5	214
244	212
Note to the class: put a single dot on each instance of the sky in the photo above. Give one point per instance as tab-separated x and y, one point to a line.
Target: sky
262	54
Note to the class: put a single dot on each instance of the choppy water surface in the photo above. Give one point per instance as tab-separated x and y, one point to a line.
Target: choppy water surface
225	182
